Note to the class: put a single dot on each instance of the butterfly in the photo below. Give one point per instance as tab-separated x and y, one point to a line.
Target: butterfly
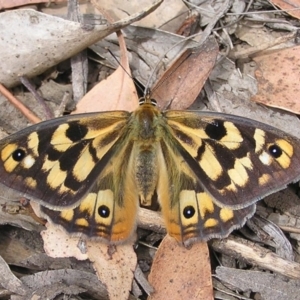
91	172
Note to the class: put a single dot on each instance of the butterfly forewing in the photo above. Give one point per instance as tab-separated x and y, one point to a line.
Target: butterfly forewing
236	160
56	162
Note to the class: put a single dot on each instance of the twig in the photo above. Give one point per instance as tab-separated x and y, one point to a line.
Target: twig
19	105
79	62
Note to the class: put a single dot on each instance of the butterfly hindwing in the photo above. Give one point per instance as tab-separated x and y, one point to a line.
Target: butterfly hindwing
109	210
190	213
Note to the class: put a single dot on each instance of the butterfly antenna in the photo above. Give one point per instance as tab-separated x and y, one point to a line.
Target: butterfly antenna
139	87
149	82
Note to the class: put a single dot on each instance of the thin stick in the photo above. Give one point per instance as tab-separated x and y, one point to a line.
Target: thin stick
19	105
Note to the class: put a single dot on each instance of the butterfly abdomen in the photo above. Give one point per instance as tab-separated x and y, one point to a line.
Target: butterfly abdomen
146	175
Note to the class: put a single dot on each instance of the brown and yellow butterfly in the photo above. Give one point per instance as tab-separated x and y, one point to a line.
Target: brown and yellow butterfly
90	172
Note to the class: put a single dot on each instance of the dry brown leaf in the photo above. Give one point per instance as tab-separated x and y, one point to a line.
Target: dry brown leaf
180	273
114	266
292	7
167	17
117	92
182	82
4	4
167	10
278	76
58	243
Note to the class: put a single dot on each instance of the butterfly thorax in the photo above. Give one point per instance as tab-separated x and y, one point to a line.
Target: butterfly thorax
145	120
